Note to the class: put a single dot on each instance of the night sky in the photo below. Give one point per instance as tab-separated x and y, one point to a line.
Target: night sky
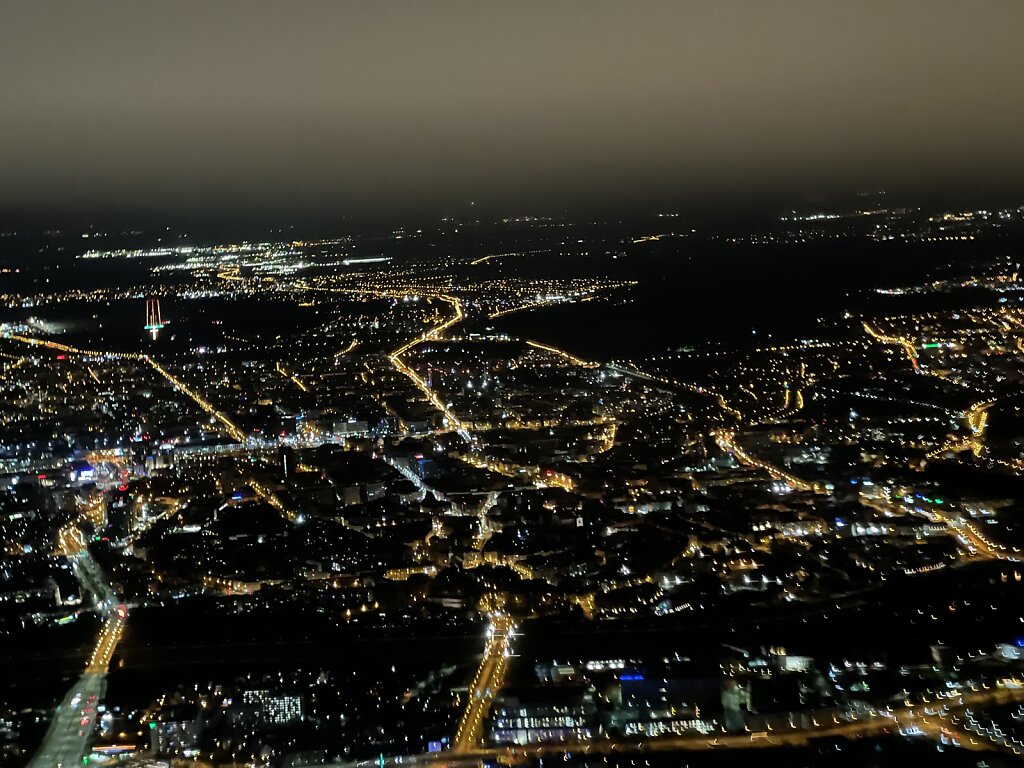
230	105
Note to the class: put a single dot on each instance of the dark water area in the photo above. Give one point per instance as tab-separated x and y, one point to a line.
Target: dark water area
738	296
119	325
37	669
371	648
913	611
148	670
83	275
688	292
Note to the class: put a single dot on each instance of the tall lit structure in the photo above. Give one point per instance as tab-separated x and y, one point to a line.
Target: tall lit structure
287	456
154	322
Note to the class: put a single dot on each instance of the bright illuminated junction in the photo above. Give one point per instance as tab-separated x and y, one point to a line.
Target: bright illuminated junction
416	386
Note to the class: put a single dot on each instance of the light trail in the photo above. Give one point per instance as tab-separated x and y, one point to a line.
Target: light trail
291	377
230	274
408	372
72	350
542	478
520	308
233	429
365	260
562	353
976	418
718	397
907	345
352	345
270	498
727	442
488	257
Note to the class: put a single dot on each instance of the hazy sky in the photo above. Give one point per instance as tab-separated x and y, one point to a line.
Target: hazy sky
295	104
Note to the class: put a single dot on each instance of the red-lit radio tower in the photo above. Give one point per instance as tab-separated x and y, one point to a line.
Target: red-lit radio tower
153	320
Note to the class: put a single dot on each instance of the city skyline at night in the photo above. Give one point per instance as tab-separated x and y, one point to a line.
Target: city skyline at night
464	385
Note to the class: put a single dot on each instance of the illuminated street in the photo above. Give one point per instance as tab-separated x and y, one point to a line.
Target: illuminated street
486	682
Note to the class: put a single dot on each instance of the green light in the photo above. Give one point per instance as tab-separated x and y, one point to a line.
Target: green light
931	345
152	726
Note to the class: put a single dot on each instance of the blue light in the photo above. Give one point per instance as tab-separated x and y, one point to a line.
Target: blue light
631	677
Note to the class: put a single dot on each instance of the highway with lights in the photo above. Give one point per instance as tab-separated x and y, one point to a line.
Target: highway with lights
487	682
70	734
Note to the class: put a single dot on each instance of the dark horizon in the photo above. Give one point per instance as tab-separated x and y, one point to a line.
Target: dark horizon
245	109
721	214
